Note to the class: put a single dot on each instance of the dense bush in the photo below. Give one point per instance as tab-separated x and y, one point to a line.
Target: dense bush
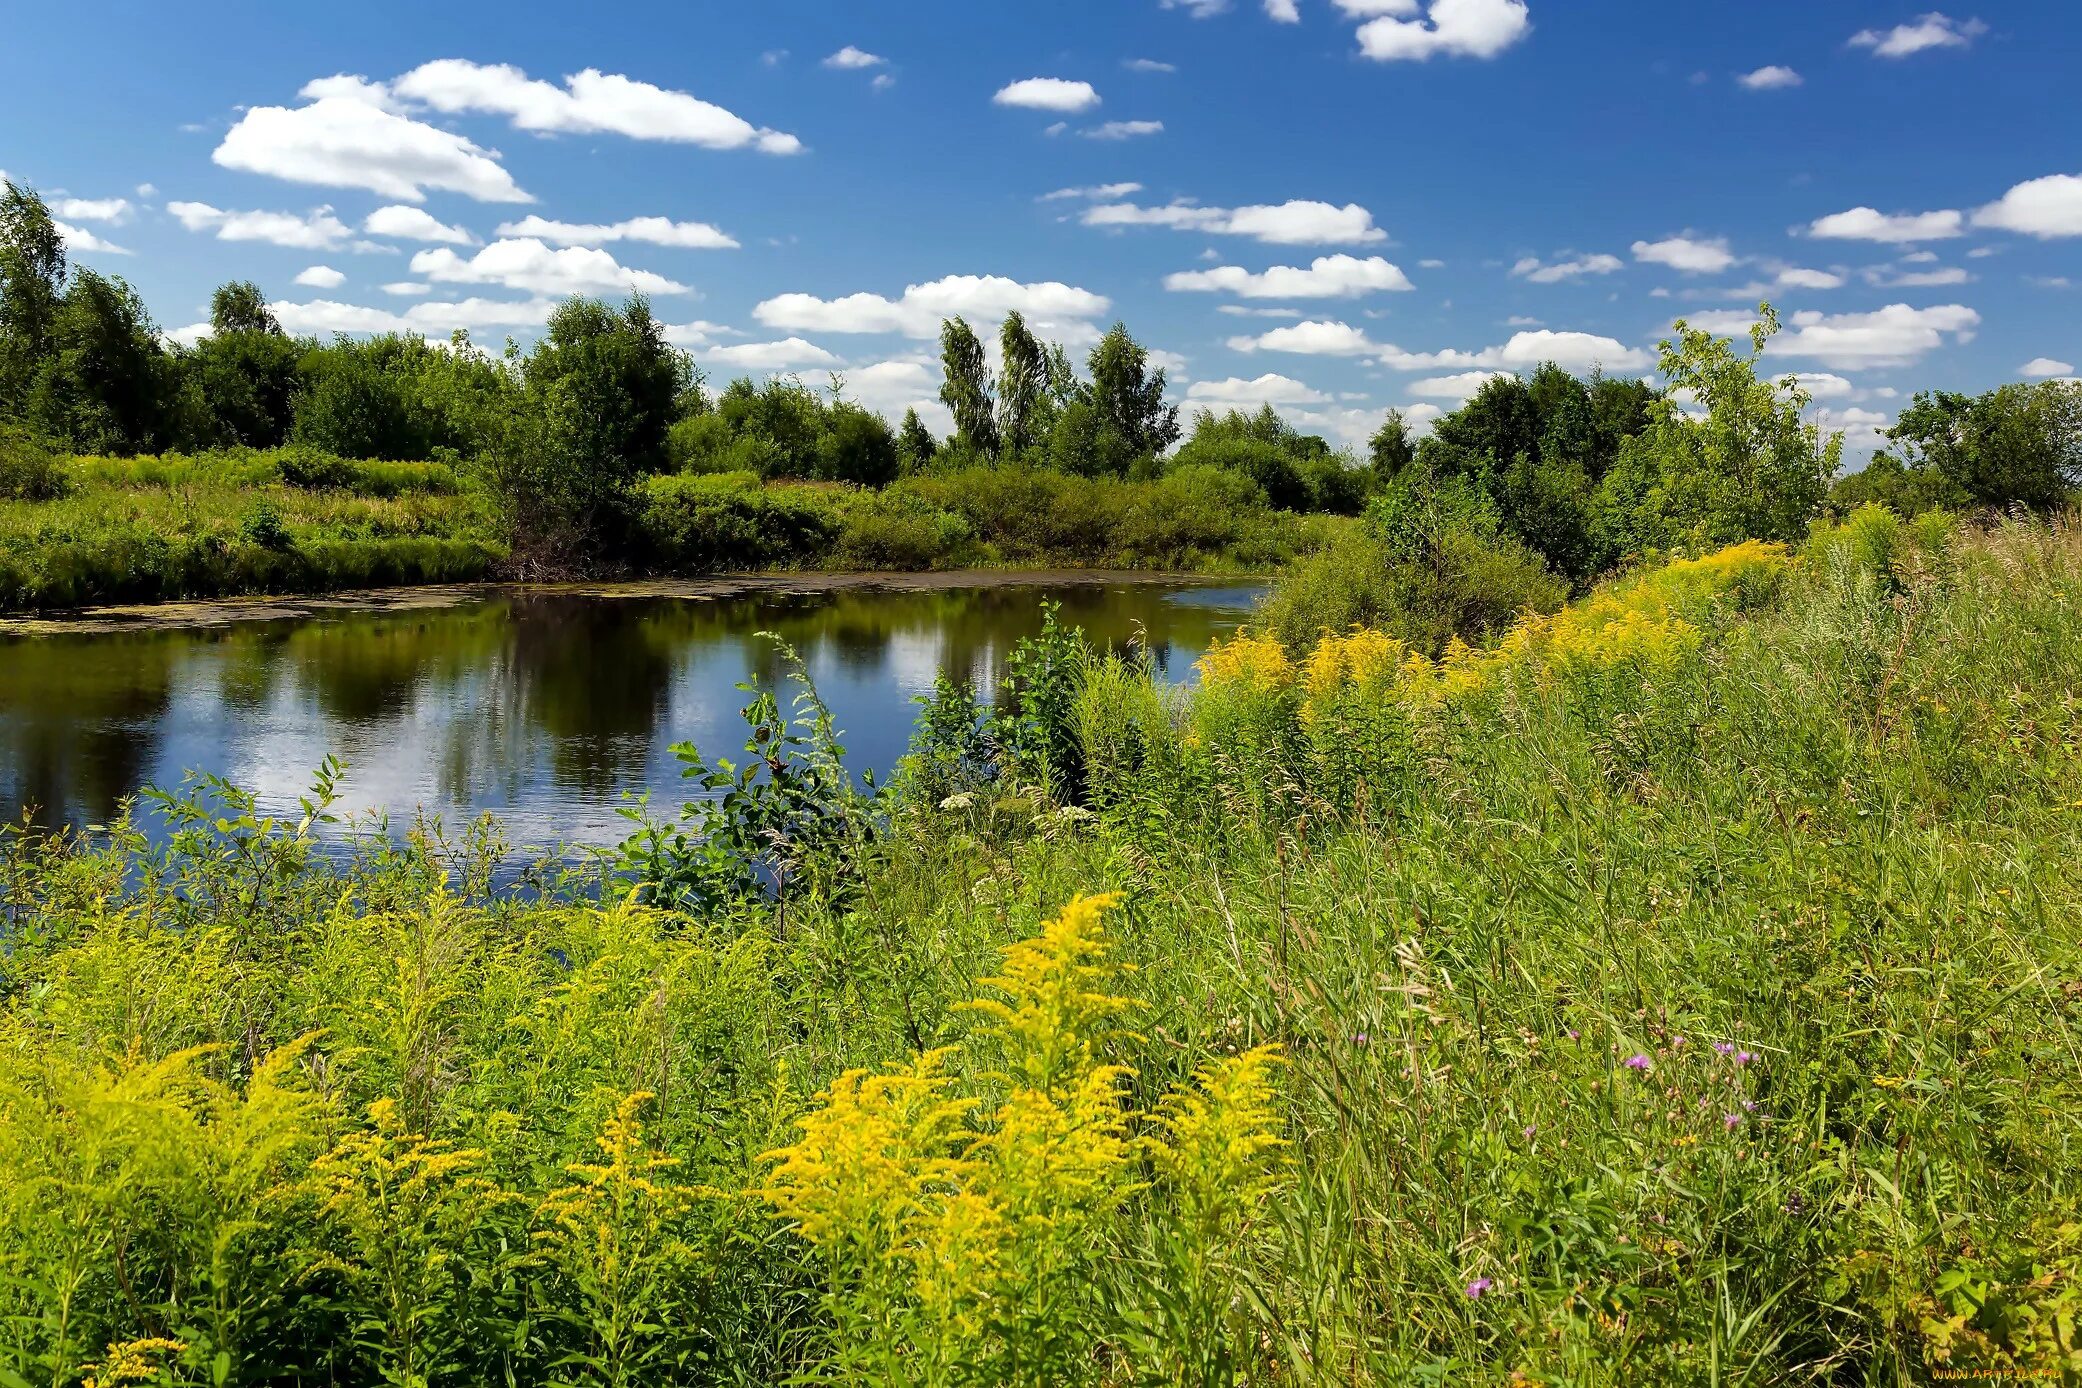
28	470
729	521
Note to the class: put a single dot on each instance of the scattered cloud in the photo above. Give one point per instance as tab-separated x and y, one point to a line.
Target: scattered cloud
1769	79
1863	430
1246	311
408	289
656	231
1123	129
114	211
1297	223
1053	308
590	102
320	231
347	142
1458	387
904	383
1148	65
1574	267
850	58
1884	277
2043	207
1198	9
772	356
321	277
2046	366
1932	30
1572	350
414	224
529	264
1048	94
80	241
1326	277
1896	335
1898	228
1798	277
1099	193
323	317
1686	254
1269	389
1283	11
1453	28
1822	385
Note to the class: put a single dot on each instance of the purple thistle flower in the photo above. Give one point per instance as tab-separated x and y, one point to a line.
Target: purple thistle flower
1733	1120
1572	1033
1637	1062
1529	1130
1676	1041
1744	1057
1724	1047
1359	1038
1478	1288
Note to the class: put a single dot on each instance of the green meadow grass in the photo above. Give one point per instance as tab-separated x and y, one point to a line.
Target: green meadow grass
1699	1007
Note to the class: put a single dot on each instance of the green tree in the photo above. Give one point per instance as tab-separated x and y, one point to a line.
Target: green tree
2017	445
107	383
965	386
1390	450
915	444
32	281
857	446
602	390
1129	398
1023	398
1748	468
240	307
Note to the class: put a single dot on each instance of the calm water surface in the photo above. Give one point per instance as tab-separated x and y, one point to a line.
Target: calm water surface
544	707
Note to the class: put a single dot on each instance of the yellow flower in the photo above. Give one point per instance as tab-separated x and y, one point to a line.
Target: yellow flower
1257	663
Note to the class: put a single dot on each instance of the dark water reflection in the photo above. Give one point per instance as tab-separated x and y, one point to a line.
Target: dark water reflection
542	707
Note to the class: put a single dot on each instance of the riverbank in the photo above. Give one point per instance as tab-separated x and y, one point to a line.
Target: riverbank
1680	990
288	522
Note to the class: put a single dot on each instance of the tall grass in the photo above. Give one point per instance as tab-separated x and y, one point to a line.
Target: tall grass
1683	990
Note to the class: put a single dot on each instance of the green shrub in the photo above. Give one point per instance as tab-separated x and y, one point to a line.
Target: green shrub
710	523
898	529
28	470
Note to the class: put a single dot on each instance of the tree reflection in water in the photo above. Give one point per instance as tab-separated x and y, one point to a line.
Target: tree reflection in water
545	707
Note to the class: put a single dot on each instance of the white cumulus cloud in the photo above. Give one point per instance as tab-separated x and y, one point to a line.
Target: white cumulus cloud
1769	79
850	58
319	231
1051	307
2043	207
1269	389
1461	386
1894	336
656	231
1453	28
589	102
321	277
1687	254
2046	366
1572	267
114	211
1096	193
414	224
1933	30
1898	228
1048	94
529	264
1296	223
1574	351
784	355
323	317
346	142
1123	129
1326	277
80	241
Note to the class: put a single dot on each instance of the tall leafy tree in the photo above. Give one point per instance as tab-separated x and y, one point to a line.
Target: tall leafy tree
965	386
1129	397
1390	450
915	444
240	307
1750	467
2016	445
106	385
32	281
1022	386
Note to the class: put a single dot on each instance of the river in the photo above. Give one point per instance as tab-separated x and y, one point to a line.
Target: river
545	706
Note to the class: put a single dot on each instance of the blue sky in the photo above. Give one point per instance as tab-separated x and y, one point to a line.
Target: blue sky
1343	206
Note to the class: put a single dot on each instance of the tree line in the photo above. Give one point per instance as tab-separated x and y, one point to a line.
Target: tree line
1575	475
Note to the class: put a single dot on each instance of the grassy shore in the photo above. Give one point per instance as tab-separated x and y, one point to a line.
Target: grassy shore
1683	990
295	521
